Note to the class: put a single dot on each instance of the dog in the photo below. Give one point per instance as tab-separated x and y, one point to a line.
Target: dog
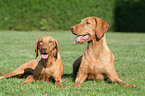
49	67
97	62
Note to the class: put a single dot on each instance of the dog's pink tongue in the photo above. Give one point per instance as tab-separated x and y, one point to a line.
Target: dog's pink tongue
45	56
77	39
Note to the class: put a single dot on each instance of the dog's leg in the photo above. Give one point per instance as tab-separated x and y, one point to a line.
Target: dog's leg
117	80
13	73
114	78
58	82
24	68
80	79
29	79
2	74
57	78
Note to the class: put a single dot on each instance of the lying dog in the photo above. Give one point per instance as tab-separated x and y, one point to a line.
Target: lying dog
50	66
98	61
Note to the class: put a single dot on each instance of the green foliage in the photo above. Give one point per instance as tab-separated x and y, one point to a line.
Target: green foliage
121	15
128	48
51	14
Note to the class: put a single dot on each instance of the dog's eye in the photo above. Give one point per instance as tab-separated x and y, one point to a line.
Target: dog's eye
50	42
87	22
40	42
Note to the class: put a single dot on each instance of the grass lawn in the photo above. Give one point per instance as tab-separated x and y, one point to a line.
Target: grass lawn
128	48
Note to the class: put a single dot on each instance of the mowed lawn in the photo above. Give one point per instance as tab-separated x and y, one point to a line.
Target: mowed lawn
18	47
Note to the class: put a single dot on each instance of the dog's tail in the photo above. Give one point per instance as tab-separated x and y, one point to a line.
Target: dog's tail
2	74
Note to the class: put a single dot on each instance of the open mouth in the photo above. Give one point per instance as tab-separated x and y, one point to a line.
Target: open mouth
81	38
45	55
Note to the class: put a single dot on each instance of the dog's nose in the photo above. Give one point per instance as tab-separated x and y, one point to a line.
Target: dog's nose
73	28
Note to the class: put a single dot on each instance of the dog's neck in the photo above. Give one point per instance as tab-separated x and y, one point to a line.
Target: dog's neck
48	62
96	46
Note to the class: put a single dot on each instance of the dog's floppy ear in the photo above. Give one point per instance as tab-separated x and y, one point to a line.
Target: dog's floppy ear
101	27
36	49
56	49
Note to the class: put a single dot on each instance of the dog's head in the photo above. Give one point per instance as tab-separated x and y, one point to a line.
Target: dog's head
47	46
89	28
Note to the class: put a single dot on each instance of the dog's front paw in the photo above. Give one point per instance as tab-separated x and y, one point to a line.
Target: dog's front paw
24	83
75	84
131	85
1	77
59	85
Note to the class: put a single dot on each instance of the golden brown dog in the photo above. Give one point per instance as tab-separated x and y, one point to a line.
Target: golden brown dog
97	62
50	66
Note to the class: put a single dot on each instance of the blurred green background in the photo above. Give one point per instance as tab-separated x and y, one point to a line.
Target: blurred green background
47	15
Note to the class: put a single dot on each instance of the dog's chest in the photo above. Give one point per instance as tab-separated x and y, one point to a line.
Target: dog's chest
47	71
45	74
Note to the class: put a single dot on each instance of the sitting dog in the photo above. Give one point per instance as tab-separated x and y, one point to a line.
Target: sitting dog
97	62
50	66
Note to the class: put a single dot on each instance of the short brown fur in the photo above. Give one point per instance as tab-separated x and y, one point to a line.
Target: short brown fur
44	69
97	62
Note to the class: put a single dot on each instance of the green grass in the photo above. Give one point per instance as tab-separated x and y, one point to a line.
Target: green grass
128	48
